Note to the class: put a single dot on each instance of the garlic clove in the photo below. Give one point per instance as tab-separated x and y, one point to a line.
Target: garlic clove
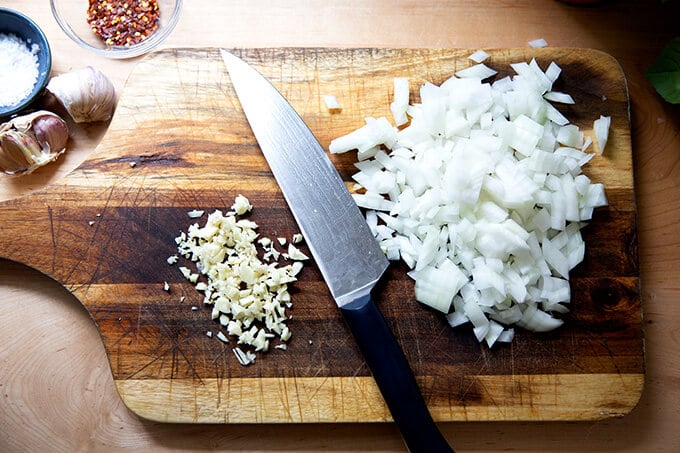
5	127
87	94
19	150
8	165
51	132
30	141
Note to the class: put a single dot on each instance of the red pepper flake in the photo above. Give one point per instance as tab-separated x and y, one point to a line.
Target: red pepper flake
123	22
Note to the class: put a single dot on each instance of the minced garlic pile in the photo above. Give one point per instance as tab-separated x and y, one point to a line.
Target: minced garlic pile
249	296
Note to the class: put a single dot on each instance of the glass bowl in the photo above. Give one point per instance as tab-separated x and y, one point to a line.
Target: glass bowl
72	18
15	23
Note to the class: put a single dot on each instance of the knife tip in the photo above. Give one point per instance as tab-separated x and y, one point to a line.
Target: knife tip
231	60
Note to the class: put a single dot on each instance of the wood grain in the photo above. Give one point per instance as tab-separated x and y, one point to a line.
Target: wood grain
181	125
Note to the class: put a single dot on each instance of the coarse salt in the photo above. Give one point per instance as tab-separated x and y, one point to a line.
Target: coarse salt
18	69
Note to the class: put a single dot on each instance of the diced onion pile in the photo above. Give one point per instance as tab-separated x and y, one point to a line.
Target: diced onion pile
481	194
249	297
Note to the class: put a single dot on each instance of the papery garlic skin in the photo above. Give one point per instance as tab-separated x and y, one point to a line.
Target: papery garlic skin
87	94
30	141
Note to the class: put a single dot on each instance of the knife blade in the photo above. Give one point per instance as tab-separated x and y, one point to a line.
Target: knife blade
348	256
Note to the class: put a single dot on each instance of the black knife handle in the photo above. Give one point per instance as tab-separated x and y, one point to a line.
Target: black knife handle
394	377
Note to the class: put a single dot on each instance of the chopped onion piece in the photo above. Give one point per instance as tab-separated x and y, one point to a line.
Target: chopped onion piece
553	72
506	336
374	133
436	286
332	103
601	129
400	102
538	321
570	135
556	96
494	332
536	43
478	71
479	56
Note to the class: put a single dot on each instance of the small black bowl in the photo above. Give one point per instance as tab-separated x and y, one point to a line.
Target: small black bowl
15	23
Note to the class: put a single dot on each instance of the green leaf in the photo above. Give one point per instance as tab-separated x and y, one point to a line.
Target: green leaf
664	73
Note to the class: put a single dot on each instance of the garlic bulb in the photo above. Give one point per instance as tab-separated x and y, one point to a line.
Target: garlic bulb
31	141
87	94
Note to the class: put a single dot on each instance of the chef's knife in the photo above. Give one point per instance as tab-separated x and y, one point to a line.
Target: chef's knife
343	247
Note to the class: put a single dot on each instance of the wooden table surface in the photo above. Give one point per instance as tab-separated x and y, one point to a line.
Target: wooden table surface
56	389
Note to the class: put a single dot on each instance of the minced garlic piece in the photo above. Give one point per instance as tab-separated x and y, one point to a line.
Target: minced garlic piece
244	358
195	214
222	337
248	297
295	254
241	205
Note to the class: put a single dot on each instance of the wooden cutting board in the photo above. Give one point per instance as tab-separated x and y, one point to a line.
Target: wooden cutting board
179	141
